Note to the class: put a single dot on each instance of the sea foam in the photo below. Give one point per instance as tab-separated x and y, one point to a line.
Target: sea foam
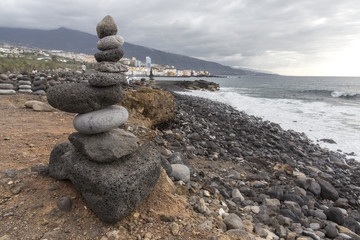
318	120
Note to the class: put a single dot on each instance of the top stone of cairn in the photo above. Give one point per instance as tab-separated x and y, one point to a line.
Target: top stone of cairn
106	27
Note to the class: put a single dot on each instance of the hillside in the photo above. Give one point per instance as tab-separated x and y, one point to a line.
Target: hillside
81	42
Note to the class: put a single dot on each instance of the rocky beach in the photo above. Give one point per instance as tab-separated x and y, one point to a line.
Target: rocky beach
234	176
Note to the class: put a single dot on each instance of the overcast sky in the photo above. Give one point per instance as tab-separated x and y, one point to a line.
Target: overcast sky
290	37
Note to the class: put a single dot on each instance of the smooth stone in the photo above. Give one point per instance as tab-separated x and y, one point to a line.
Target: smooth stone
331	231
112	67
7	92
111	55
180	172
237	194
106	27
24	82
315	188
39	92
105	147
293	198
315	226
65	204
39	87
111	190
110	42
38	106
83	98
335	215
327	190
4	76
25	90
352	224
103	79
101	120
233	221
6	81
6	86
25	87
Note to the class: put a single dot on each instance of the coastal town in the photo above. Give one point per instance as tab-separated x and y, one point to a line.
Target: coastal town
136	67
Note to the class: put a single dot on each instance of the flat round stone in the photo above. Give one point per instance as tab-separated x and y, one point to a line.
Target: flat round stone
101	120
112	55
83	98
106	27
25	86
7	92
110	42
6	86
114	67
107	146
25	90
103	79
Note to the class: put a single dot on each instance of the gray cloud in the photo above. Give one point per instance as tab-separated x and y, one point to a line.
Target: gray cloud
277	35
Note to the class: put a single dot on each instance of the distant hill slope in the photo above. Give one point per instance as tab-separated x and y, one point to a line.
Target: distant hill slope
81	42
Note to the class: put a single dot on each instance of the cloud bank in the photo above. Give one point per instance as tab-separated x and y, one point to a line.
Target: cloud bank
301	37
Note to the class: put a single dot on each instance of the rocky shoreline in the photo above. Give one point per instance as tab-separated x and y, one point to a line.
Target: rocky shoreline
241	178
281	181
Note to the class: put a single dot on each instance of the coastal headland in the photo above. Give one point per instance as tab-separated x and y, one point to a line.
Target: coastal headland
248	178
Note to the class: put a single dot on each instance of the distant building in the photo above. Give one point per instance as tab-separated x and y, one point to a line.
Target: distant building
148	62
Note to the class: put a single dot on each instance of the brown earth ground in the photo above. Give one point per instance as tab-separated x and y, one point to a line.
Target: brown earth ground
28	208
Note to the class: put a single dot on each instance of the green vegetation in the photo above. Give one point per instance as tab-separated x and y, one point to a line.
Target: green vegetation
29	63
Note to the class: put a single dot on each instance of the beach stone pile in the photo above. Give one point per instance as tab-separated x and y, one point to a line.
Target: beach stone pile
39	84
6	86
24	83
108	165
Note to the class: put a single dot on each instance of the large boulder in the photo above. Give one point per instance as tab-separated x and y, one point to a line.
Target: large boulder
155	106
107	146
111	190
83	98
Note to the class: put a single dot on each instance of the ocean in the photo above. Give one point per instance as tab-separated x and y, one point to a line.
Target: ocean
321	107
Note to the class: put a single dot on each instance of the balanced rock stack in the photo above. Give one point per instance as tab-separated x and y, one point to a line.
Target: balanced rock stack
24	83
6	86
108	165
39	85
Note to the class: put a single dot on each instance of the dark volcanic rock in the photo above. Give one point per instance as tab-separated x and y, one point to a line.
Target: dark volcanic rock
64	204
335	215
102	79
112	55
83	98
293	198
106	27
352	224
327	190
112	67
331	231
105	147
113	190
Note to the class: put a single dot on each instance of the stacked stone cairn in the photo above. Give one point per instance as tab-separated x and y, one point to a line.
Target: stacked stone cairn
6	86
24	83
39	84
109	166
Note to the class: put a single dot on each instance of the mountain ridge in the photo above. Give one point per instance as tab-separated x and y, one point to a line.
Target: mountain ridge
80	42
